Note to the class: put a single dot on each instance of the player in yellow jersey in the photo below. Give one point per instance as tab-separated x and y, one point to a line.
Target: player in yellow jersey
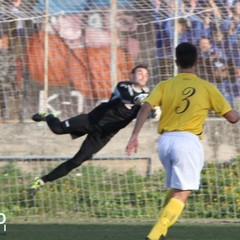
185	101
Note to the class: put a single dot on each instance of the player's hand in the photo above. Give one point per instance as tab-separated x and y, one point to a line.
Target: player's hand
132	145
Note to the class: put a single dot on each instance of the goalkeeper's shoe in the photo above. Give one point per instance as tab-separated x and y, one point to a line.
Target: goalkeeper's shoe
37	183
41	116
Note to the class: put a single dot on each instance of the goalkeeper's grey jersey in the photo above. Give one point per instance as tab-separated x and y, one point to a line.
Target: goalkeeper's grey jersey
121	108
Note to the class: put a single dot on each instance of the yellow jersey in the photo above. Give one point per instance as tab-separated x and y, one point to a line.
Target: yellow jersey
185	101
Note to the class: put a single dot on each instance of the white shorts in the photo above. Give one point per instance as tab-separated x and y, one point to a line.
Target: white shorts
182	156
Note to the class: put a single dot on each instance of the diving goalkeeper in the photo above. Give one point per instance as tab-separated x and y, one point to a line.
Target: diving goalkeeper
185	101
100	125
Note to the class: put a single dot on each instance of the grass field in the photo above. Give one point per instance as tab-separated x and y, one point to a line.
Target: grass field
179	231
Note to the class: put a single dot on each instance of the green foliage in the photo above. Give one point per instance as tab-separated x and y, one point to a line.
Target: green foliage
92	191
219	195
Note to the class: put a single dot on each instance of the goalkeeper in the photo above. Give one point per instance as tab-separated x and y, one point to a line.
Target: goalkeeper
100	125
184	100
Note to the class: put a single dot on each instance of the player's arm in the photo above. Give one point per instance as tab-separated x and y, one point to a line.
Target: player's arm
222	107
141	118
232	116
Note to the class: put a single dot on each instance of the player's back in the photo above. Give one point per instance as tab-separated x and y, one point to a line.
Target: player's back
185	101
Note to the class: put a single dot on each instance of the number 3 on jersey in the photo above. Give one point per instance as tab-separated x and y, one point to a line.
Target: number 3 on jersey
185	103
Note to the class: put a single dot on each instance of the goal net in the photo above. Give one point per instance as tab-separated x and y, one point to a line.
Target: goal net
66	57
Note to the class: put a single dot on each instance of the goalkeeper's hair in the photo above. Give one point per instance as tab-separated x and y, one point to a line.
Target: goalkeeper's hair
139	66
186	54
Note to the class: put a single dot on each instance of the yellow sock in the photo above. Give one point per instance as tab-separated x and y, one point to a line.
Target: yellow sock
168	217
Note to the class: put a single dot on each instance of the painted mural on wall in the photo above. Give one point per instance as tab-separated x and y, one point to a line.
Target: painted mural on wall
80	46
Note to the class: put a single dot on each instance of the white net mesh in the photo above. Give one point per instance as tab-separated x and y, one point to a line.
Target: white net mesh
70	53
70	50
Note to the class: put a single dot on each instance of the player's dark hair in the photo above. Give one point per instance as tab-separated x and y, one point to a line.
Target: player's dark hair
139	66
186	54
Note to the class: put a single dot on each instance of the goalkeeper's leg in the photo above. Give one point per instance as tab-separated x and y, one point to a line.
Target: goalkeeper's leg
76	126
169	214
94	142
55	125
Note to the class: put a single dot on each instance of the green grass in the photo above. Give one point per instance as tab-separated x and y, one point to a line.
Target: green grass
180	231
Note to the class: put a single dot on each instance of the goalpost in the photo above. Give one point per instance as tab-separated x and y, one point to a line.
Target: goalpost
67	56
46	45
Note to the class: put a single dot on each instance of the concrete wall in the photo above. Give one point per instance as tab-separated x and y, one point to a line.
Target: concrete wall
221	141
